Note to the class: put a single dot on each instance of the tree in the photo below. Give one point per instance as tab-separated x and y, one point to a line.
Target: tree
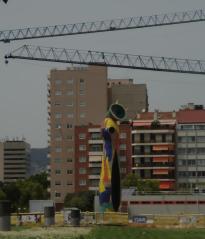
148	185
2	195
21	191
81	200
155	124
131	180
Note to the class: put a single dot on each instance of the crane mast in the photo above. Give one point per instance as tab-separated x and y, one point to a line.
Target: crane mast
62	55
102	26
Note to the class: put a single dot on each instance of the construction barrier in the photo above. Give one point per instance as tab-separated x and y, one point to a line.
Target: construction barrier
115	218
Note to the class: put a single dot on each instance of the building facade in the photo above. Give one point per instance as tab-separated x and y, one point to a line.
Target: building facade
191	149
89	152
76	96
15	158
132	96
153	148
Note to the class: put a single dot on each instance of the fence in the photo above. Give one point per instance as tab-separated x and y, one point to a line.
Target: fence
115	218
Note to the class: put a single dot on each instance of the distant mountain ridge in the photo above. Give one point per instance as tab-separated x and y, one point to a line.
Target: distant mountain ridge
38	160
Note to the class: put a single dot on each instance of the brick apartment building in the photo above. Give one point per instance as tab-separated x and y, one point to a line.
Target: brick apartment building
173	151
89	151
153	147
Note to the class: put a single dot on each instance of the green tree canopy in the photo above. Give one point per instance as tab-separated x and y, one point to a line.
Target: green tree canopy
81	200
148	185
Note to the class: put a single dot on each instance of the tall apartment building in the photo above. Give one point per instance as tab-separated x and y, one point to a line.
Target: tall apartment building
132	96
89	151
76	96
79	97
14	160
191	148
153	147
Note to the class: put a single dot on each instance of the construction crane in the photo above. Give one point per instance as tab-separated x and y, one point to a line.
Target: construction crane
103	26
63	55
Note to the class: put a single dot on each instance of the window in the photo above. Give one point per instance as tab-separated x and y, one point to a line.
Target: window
69	160
58	138
82	115
96	136
58	150
57	171
82	147
200	127
123	135
57	183
82	170
96	148
82	136
70	92
57	195
122	146
168	138
70	81
58	92
69	171
69	137
123	170
82	182
82	159
69	126
58	115
57	126
82	92
70	149
57	103
82	104
158	138
200	138
82	84
57	160
187	127
70	115
58	82
69	183
122	158
69	104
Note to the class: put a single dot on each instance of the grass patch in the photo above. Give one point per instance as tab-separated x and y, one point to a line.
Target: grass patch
102	232
144	233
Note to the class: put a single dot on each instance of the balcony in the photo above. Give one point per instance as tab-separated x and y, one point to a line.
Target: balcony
93	188
151	142
95	158
94	177
94	130
92	153
153	154
153	131
94	165
95	141
154	165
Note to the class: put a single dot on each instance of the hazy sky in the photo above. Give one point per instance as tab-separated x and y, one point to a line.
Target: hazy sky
23	84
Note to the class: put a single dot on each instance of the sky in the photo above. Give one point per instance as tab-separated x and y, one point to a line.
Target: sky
23	84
